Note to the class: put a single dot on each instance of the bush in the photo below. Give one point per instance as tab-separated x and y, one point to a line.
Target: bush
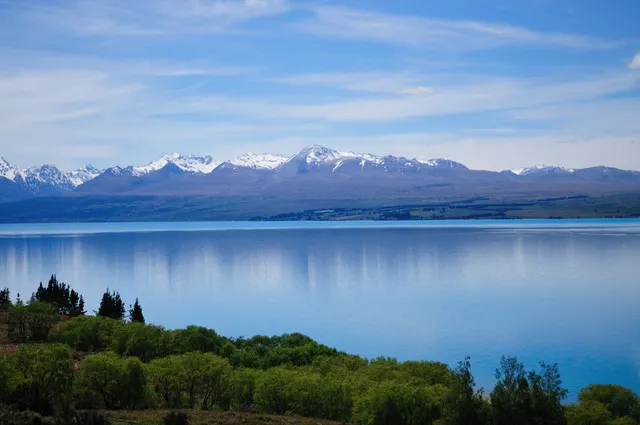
12	417
179	418
91	418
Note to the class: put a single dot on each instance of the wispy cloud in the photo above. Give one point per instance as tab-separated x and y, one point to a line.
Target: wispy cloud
142	18
342	22
417	91
635	62
374	82
490	94
52	96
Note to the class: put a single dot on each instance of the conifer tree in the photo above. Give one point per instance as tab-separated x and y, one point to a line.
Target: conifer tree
66	301
5	299
135	313
111	305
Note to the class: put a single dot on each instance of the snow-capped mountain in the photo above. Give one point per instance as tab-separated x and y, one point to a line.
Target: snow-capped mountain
316	156
259	161
443	163
188	164
314	171
47	179
542	170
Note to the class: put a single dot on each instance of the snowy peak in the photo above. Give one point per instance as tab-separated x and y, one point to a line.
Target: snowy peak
34	178
188	164
316	154
542	170
258	161
7	170
443	163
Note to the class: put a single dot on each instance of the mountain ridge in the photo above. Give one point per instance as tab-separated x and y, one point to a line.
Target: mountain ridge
315	169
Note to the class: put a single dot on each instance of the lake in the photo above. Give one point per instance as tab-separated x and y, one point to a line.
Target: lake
554	291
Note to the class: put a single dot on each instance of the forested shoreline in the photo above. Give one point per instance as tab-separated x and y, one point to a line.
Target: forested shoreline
59	365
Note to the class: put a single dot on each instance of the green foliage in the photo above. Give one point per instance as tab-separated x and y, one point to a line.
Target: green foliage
396	403
627	420
107	381
31	322
66	301
530	398
620	401
139	366
588	413
12	417
88	333
263	352
465	405
135	313
111	305
192	380
197	338
5	299
242	383
43	377
146	342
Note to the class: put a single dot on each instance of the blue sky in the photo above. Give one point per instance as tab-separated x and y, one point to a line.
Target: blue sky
495	84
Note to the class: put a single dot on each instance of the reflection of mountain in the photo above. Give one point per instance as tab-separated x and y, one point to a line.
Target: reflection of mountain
329	260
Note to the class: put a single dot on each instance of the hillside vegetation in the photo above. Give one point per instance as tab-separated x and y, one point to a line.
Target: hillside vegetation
61	366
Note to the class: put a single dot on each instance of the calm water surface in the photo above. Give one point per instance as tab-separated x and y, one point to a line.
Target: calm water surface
566	291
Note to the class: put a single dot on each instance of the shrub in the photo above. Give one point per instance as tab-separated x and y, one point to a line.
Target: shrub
179	418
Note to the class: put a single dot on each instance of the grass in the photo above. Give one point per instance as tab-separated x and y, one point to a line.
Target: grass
200	417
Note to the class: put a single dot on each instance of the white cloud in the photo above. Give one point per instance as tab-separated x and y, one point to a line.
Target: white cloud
480	95
417	91
635	62
374	82
341	22
152	17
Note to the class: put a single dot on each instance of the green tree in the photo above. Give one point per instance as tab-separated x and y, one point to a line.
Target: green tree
242	383
44	376
620	401
88	333
167	375
272	391
66	301
511	396
588	413
40	317
5	299
135	313
106	381
214	374
111	305
146	342
465	405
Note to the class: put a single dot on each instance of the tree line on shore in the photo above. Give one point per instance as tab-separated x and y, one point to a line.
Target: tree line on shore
67	361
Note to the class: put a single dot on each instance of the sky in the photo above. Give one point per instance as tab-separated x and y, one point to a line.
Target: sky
494	84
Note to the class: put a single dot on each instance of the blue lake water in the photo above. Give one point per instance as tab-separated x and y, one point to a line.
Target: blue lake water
554	291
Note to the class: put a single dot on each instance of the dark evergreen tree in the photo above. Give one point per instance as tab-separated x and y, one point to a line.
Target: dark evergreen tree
111	305
135	313
466	406
67	301
527	399
5	299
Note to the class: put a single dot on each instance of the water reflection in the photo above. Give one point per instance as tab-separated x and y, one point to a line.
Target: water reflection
566	295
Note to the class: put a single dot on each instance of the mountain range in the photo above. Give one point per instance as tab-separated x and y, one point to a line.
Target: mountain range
315	173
